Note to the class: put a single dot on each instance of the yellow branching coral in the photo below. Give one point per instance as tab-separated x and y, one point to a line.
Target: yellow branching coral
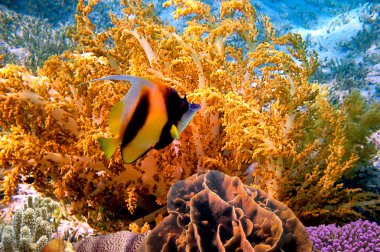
258	110
186	8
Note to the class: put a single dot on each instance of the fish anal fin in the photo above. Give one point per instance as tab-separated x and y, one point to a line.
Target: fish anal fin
115	118
109	146
174	132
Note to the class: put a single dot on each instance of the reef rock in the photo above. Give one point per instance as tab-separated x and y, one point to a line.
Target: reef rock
211	211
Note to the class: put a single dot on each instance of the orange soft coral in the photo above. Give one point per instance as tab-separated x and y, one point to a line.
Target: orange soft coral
257	107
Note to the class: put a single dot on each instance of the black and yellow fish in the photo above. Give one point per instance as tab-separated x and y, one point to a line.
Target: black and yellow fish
150	115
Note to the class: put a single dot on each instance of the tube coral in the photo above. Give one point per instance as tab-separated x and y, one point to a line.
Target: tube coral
258	110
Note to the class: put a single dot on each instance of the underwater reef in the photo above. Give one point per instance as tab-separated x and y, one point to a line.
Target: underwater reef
211	211
350	52
29	41
241	213
53	11
261	119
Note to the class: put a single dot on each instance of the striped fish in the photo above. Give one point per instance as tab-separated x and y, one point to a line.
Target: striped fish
151	115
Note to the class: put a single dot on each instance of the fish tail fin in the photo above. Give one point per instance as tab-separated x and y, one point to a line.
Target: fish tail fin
109	146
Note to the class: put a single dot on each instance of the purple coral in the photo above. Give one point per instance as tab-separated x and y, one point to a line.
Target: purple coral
361	236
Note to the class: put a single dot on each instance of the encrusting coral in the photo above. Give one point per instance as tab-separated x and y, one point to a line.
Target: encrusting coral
258	111
211	211
116	242
31	227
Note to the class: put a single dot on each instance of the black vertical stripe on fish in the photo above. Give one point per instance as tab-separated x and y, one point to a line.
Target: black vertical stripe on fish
175	108
138	119
165	138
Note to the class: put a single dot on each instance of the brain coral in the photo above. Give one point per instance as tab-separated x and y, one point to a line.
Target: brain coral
123	241
211	211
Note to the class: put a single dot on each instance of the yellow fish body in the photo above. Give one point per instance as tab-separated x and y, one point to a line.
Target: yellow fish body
150	115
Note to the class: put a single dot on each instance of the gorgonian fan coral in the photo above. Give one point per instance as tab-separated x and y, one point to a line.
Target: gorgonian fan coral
258	110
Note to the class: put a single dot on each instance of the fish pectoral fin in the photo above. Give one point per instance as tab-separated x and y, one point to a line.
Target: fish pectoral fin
174	132
115	118
109	146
